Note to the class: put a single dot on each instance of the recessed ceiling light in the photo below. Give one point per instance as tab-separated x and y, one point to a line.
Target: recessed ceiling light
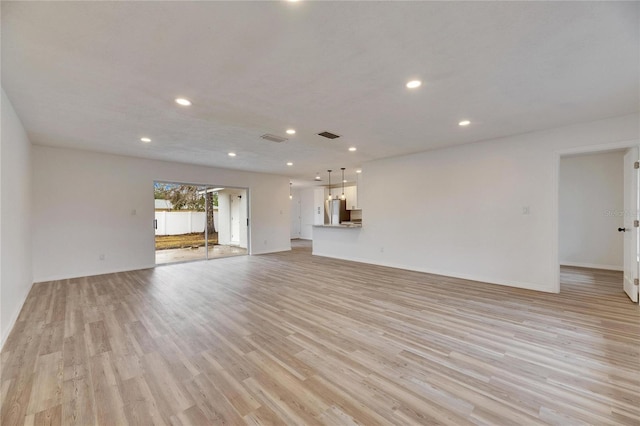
359	171
464	123
291	132
183	101
353	148
344	181
413	84
145	140
231	154
289	163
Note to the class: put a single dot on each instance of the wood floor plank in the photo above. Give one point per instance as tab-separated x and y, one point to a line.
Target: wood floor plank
47	383
78	406
140	406
290	338
169	393
96	338
212	402
49	417
107	395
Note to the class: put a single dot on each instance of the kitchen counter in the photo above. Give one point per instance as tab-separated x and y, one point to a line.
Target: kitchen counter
331	240
342	225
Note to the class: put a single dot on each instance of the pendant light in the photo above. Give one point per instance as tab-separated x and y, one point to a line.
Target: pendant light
290	196
342	197
329	184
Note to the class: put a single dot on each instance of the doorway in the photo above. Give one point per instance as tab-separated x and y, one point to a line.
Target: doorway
597	206
296	214
194	222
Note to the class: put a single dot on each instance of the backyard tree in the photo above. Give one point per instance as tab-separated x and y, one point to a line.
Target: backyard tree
186	197
210	201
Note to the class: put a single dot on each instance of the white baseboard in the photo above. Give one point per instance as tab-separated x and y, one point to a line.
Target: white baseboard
14	318
90	274
271	251
488	280
592	266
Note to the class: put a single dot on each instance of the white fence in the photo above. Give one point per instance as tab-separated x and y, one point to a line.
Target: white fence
178	223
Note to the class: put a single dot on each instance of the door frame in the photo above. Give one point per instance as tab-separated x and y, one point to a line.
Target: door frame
631	271
589	149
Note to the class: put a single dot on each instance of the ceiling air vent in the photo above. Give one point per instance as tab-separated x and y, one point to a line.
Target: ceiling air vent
273	138
328	135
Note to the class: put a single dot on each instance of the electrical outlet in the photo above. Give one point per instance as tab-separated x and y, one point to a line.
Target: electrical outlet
526	210
101	257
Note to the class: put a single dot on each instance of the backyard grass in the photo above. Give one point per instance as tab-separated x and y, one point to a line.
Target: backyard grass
164	242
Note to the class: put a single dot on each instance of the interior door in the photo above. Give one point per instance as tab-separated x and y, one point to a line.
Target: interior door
631	249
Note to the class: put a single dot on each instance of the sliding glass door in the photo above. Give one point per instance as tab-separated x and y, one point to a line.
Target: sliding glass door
197	222
180	222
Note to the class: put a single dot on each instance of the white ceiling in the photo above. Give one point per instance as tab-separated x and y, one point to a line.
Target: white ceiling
99	76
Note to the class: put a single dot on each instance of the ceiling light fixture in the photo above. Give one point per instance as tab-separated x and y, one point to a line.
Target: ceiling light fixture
291	132
289	163
342	197
329	184
352	149
145	140
318	176
359	171
464	123
414	84
183	101
231	154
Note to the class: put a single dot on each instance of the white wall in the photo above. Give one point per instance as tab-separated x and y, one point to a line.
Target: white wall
82	205
15	219
306	212
320	216
460	209
591	204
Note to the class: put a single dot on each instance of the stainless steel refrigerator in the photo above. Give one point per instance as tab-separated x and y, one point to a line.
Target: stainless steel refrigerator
337	211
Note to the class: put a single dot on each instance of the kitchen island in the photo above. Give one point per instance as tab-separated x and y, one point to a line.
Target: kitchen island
331	240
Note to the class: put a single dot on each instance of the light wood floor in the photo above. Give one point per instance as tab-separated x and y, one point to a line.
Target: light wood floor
295	339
